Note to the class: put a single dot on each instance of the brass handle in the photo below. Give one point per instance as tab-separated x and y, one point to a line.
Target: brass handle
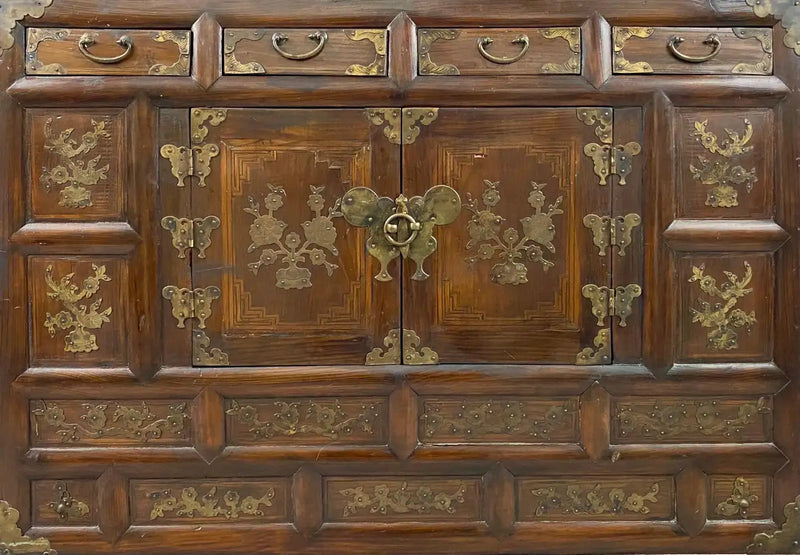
712	41
87	40
483	42
320	37
390	228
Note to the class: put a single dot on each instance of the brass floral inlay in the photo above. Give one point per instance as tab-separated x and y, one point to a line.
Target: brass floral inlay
601	354
193	505
723	319
112	420
386	499
77	317
573	37
402	126
509	246
325	418
234	37
378	38
10	13
75	171
739	501
426	39
11	539
787	12
787	538
65	505
292	250
718	174
181	40
205	355
621	36
36	36
597	500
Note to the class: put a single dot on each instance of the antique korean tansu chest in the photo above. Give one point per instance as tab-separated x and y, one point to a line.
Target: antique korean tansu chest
399	276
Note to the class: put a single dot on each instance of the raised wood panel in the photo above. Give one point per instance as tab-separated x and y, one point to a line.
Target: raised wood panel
739	497
64	503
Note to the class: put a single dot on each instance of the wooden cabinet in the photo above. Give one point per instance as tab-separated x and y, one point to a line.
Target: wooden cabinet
529	287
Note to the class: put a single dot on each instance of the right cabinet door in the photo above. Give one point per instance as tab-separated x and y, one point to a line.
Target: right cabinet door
508	278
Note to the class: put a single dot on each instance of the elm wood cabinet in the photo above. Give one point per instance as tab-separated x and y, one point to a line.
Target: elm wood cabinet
402	276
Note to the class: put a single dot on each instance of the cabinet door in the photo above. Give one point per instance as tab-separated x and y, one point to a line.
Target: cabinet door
507	278
287	279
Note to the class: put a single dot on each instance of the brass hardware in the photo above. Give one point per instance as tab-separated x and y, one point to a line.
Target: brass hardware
719	174
10	14
202	166
362	207
538	232
601	354
378	38
234	37
402	125
66	506
785	11
575	499
386	499
79	318
195	160
181	66
713	41
723	320
610	231
193	505
201	117
189	233
279	39
188	303
267	231
680	417
113	420
787	537
603	121
181	160
201	356
411	353
573	37
324	418
612	302
740	500
621	35
426	38
522	40
75	171
391	355
87	40
12	541
36	36
609	159
763	36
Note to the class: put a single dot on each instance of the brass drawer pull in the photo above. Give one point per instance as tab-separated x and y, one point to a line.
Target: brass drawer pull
483	42
87	40
712	40
320	37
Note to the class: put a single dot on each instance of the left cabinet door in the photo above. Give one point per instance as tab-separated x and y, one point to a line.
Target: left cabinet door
277	275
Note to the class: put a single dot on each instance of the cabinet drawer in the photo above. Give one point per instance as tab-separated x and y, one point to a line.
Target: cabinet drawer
693	50
500	51
357	52
107	52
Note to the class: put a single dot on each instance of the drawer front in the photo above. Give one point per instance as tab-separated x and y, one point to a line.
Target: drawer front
693	50
107	52
500	51
356	52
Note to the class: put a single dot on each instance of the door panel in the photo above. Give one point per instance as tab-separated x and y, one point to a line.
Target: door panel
506	279
295	282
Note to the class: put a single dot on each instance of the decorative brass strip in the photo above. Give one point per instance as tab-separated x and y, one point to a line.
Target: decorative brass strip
787	538
66	506
763	36
12	542
232	64
188	233
739	501
414	355
785	11
10	14
572	499
188	303
614	302
386	499
621	35
608	231
36	36
390	355
601	354
573	37
402	125
76	170
201	356
79	318
181	66
723	319
509	246
378	38
192	505
426	38
107	420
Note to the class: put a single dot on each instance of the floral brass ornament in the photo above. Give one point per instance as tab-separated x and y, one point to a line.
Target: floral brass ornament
718	174
77	317
722	318
593	500
12	542
293	251
65	505
621	35
385	500
663	421
205	355
75	170
784	540
190	233
612	231
12	11
601	354
406	352
787	12
191	303
510	246
426	39
191	504
612	302
36	36
232	38
294	419
573	37
764	37
181	40
739	501
378	39
402	125
113	420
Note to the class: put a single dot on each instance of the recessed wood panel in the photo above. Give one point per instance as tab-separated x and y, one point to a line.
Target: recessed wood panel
739	497
64	503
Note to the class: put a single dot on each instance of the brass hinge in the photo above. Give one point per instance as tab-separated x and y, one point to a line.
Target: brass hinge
612	302
190	233
612	231
609	159
195	160
191	303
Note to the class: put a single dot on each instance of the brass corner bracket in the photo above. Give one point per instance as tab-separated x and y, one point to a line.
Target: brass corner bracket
785	11
12	12
11	539
205	355
407	351
402	125
601	354
621	36
426	38
784	540
378	39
